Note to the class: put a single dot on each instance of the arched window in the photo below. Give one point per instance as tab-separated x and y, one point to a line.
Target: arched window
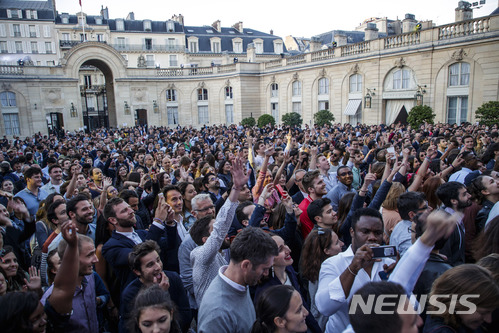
355	83
401	79
8	99
202	94
171	95
274	90
459	74
324	86
297	88
228	92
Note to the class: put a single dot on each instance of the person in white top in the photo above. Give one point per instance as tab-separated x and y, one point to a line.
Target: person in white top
342	275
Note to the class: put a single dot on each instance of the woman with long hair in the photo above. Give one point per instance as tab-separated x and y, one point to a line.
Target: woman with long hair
280	309
284	274
343	209
188	192
319	245
22	313
153	311
461	281
17	278
389	209
224	172
430	191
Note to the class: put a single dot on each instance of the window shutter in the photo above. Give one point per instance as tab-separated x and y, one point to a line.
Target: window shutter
11	47
37	29
41	47
11	30
2	30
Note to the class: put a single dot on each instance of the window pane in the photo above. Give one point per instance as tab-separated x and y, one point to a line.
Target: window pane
172	113
464	109
229	113
397	79
297	107
465	74
405	79
274	107
203	114
452	110
454	75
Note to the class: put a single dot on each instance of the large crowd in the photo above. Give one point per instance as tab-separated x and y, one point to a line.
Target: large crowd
246	229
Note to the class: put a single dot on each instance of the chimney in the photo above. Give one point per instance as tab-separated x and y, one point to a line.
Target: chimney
104	12
409	23
271	31
315	44
371	32
463	11
251	52
238	26
340	39
217	25
130	17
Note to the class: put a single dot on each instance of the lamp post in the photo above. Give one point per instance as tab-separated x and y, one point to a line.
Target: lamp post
418	97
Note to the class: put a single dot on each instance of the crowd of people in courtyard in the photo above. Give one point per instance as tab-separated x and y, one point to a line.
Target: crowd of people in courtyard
246	229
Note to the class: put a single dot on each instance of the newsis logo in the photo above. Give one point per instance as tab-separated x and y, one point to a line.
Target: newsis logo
441	304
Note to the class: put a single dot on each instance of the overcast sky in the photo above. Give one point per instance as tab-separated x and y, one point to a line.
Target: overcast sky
297	18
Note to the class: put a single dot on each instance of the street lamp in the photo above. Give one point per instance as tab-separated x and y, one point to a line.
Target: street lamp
73	111
368	98
418	97
127	108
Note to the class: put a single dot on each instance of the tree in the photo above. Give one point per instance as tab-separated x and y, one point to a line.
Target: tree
419	114
323	117
250	121
292	119
265	119
488	113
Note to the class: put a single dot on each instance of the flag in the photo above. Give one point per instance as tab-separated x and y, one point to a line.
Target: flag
79	2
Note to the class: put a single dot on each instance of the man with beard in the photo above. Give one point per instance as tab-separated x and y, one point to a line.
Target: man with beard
145	262
81	213
212	184
455	198
345	178
211	236
315	186
119	213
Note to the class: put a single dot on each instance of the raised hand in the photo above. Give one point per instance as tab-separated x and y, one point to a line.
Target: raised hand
439	224
239	176
106	182
35	281
68	231
266	193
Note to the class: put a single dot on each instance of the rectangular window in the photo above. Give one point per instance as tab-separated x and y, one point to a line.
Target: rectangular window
17	30
203	115
173	60
274	90
172	113
34	47
150	60
324	86
278	48
50	63
259	48
100	37
14	13
171	95
11	123
193	47
202	94
83	37
465	74
120	25
297	107
457	110
8	99
65	37
3	47
171	42
238	47
32	31
228	92
215	47
274	108
48	47
297	88
19	47
355	83
323	105
121	43
148	42
87	81
229	113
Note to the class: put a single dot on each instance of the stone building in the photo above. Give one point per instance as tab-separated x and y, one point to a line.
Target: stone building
228	74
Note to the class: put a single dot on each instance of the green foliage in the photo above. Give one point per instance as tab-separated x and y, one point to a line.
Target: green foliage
323	117
250	121
292	119
265	119
419	114
488	113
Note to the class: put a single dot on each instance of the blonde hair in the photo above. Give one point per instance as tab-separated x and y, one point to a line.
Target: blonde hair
396	190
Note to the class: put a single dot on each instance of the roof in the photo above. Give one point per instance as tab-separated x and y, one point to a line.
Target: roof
352	36
45	9
205	33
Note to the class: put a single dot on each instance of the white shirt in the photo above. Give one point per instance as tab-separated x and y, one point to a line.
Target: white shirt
460	175
330	298
132	235
231	283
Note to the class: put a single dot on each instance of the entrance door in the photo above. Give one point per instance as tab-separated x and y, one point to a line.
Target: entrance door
402	117
55	122
140	117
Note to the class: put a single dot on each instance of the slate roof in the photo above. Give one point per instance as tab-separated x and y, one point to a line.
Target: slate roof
45	9
227	35
353	37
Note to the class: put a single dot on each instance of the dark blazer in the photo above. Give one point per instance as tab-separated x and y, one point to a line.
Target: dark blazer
298	197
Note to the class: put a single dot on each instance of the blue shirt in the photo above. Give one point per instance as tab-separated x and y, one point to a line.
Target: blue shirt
401	236
31	200
337	193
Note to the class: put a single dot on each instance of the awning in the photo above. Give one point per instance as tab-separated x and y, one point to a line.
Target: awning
352	107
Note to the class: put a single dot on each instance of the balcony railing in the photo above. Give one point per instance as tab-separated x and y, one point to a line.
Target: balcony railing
408	39
11	70
464	28
149	48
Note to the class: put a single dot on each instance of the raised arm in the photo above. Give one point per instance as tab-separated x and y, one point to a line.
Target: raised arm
66	278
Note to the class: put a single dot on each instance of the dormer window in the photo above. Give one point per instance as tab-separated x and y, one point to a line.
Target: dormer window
278	46
14	13
258	46
170	26
237	45
65	18
98	20
120	25
147	25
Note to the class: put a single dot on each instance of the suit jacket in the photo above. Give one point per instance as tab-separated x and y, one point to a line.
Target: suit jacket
298	197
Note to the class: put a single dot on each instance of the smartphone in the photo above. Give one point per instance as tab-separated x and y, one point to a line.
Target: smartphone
280	190
384	251
391	150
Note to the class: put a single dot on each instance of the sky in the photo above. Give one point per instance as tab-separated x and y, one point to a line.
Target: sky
297	18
